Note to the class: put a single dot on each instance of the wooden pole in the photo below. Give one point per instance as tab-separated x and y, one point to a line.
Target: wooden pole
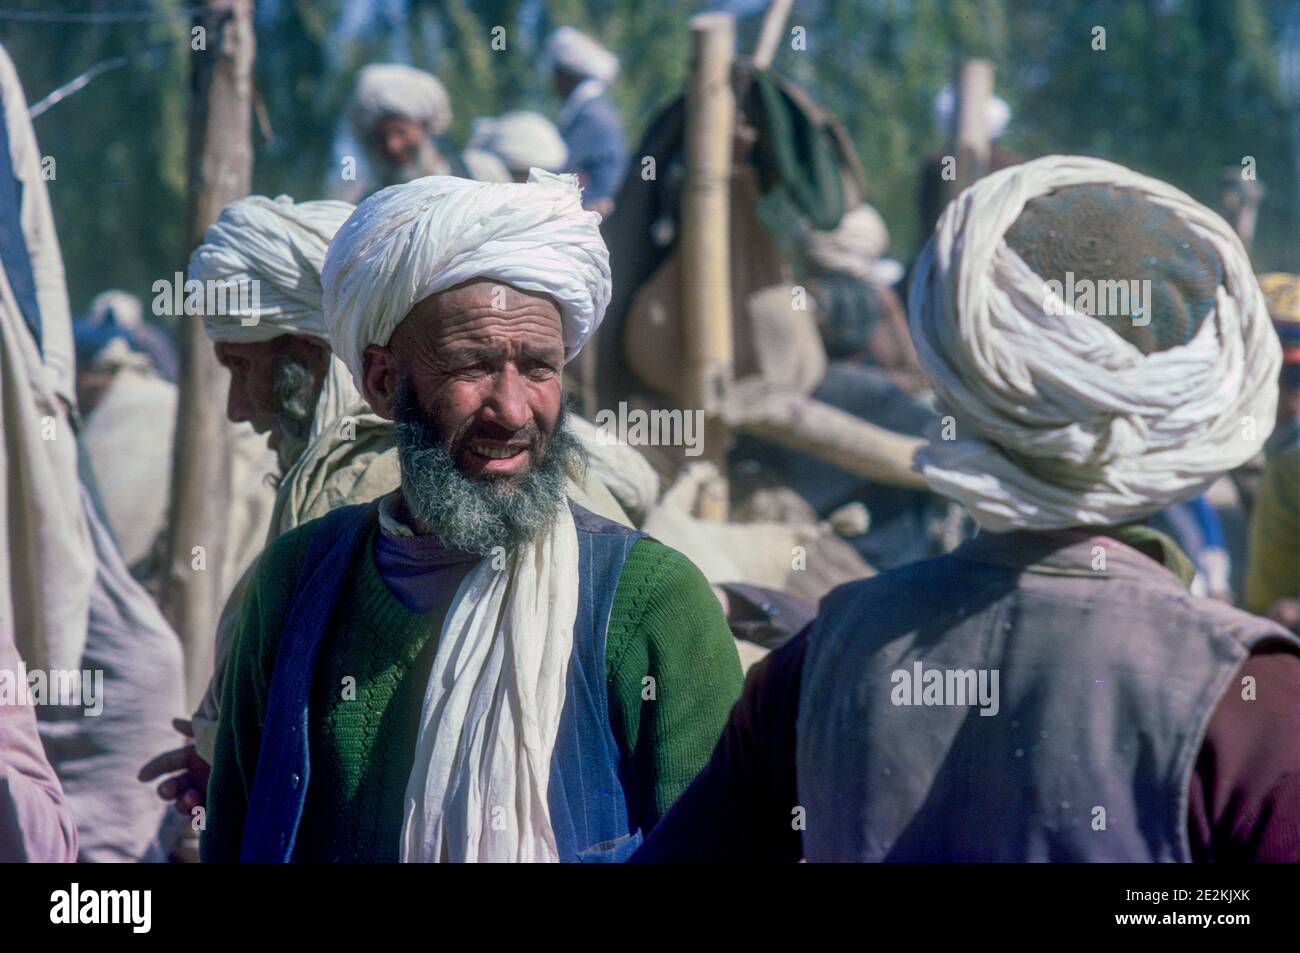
1240	200
970	132
826	432
769	37
220	160
706	241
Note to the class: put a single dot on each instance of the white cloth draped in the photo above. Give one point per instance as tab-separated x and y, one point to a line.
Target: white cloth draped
478	785
1060	421
47	561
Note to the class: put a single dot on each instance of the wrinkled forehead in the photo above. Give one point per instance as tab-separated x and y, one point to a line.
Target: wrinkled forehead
484	311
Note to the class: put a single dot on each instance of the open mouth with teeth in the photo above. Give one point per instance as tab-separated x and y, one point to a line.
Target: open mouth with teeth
496	453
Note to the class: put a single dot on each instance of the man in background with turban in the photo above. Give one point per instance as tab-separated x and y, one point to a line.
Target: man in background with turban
582	71
473	668
1050	690
400	116
284	381
122	310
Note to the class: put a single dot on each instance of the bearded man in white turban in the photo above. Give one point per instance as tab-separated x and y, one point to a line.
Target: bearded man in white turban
1050	690
400	116
464	670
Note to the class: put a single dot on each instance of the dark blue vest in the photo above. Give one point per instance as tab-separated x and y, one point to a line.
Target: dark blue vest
588	807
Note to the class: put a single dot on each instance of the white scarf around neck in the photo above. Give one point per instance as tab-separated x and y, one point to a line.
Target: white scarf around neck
478	786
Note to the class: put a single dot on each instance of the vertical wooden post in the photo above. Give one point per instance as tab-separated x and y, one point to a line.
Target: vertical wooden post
1240	200
220	161
769	37
706	241
970	131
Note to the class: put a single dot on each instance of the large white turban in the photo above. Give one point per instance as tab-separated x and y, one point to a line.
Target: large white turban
391	89
580	54
410	241
280	245
521	140
1059	421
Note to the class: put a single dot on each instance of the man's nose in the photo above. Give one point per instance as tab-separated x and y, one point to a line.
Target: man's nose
236	403
507	402
395	146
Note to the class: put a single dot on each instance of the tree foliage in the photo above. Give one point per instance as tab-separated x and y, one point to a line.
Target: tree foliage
1183	89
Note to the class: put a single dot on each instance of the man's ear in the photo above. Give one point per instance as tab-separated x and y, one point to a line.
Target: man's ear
379	377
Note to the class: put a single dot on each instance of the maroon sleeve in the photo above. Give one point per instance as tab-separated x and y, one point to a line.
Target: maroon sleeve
741	806
35	823
1244	801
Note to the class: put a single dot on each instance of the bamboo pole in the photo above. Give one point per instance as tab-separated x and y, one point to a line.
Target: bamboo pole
825	432
1240	200
769	37
706	242
220	160
970	131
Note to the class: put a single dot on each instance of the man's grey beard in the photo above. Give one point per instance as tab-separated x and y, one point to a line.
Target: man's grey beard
295	391
428	161
478	515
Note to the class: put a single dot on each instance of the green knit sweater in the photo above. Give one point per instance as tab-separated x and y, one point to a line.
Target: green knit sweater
369	687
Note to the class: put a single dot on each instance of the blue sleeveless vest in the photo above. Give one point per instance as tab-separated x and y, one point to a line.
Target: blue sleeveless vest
588	807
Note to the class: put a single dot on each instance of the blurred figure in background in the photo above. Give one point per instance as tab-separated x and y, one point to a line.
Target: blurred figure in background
118	308
871	372
400	116
1282	293
582	71
129	420
1273	568
997	116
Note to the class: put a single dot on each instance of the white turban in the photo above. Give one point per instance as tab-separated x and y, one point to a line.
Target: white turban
1059	420
521	140
997	114
853	246
391	89
281	246
580	54
410	241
